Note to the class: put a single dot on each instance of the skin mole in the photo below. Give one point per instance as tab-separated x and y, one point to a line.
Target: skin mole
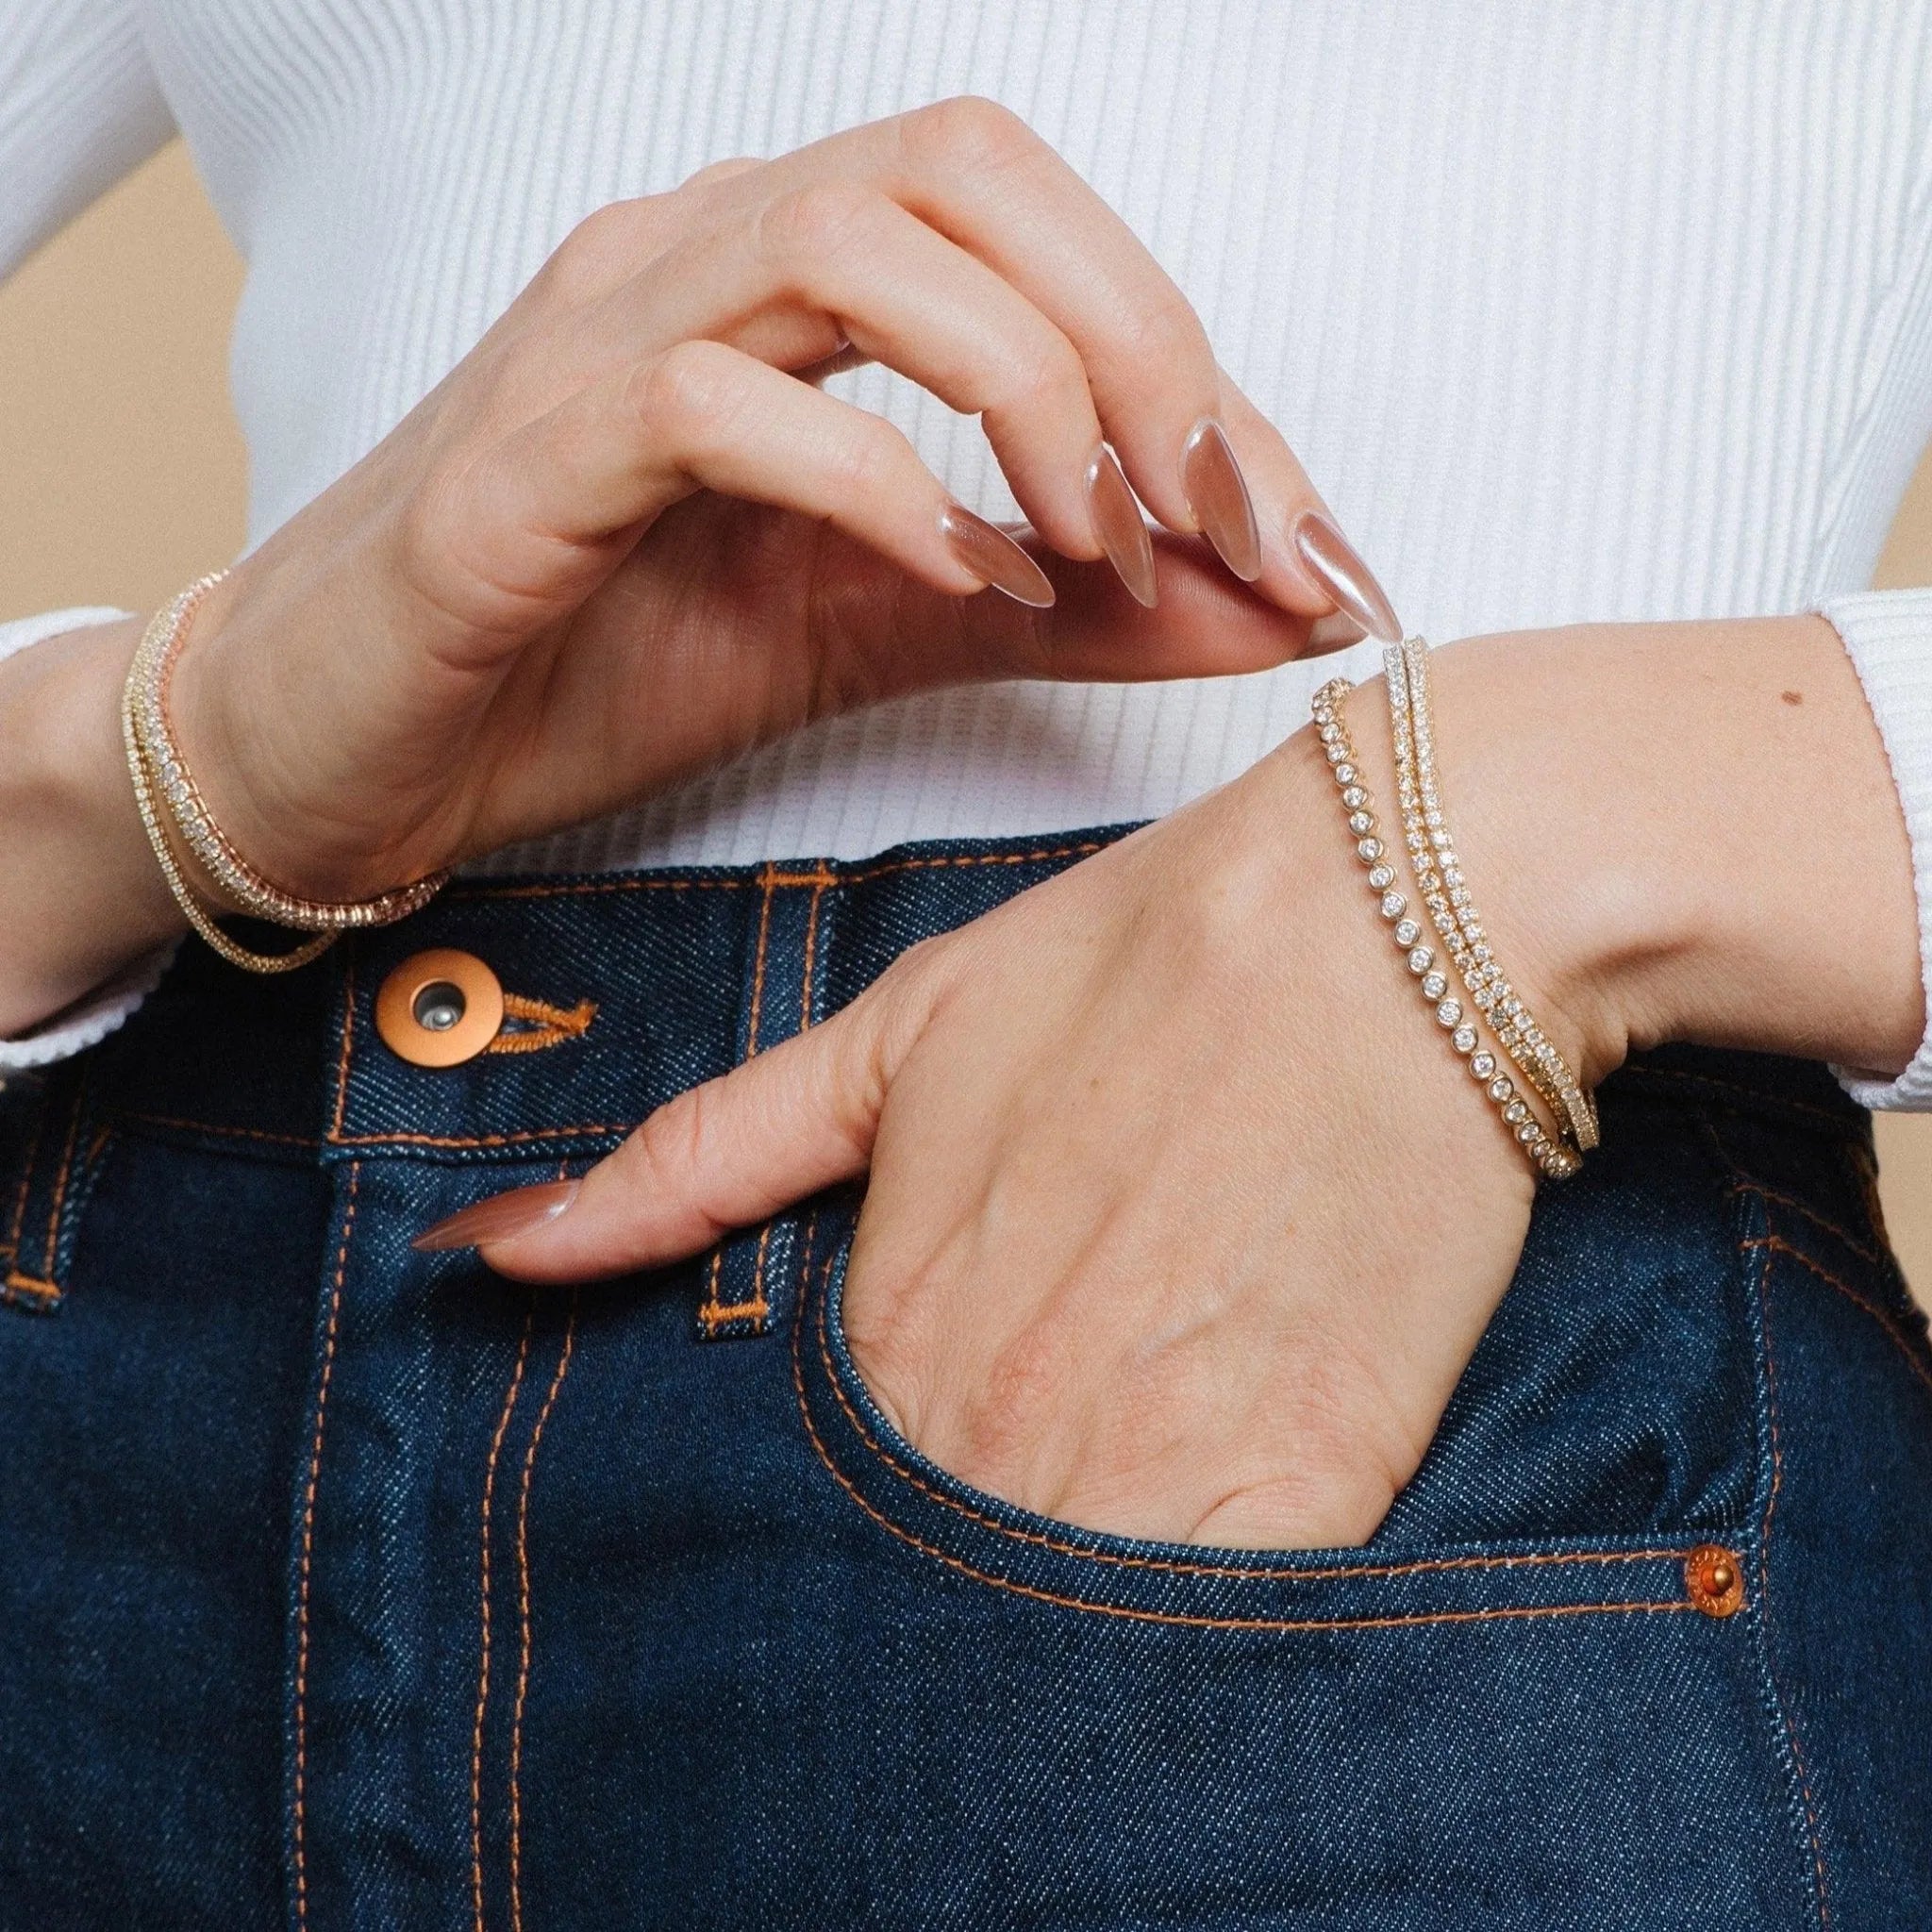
1792	697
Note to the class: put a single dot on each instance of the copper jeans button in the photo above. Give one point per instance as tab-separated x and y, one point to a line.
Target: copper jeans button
439	1008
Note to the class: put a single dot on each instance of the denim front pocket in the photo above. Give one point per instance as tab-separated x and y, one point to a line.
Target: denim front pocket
1608	1424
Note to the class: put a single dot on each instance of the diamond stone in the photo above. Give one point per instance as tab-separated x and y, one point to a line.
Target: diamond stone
1360	823
1483	1065
1516	1113
1421	959
1355	797
1382	876
1449	1013
1369	850
1393	904
1407	933
1501	1089
1464	1039
1434	986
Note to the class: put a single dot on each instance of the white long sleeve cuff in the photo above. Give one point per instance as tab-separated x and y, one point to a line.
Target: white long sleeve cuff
1888	634
96	1014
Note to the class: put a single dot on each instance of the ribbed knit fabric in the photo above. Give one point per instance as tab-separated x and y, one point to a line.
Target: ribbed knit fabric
1613	309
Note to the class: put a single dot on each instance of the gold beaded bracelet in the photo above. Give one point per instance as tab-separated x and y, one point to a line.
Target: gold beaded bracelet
1551	1159
162	784
1452	908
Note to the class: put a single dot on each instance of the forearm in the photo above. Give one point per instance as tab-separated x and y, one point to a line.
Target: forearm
80	893
1687	831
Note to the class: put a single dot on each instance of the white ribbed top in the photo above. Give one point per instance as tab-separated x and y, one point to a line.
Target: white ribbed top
1615	309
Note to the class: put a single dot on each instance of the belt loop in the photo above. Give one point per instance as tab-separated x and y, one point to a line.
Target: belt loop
749	1277
39	1216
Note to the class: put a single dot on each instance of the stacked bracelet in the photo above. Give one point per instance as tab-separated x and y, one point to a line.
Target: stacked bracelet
1445	892
162	785
1552	1159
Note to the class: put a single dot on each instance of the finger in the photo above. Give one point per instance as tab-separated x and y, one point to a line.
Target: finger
725	1155
836	264
526	532
979	176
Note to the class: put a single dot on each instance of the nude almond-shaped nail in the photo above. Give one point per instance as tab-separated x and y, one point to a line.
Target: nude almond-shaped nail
1120	527
500	1218
1217	492
1332	562
993	558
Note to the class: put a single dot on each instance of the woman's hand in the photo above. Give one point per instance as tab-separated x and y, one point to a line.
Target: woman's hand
1183	1218
629	535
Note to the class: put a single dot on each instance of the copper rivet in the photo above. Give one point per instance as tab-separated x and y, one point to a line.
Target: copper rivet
1714	1580
439	1008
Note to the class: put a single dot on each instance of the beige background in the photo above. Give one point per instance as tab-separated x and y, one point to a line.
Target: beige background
122	474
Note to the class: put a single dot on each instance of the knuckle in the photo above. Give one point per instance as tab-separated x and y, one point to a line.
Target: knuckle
811	224
1044	378
685	394
1162	332
871	461
606	245
968	133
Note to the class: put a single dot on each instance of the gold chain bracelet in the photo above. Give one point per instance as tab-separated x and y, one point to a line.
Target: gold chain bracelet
164	788
1446	895
1551	1159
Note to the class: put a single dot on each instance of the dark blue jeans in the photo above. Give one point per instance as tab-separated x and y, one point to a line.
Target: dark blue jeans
362	1589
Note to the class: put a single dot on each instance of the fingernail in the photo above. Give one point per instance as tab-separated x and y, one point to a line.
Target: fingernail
499	1218
1218	495
1118	526
993	558
1335	632
1334	565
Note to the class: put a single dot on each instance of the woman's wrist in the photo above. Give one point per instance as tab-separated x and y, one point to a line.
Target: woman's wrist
1686	831
82	892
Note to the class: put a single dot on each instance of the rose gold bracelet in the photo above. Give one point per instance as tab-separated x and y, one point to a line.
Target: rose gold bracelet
1551	1159
1445	892
162	773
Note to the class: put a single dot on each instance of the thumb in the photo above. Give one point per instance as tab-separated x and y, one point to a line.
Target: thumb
729	1152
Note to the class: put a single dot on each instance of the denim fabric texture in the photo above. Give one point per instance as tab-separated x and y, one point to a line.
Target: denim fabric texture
345	1586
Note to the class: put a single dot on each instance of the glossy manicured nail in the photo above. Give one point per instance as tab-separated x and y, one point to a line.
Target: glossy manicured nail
1118	526
498	1219
1218	494
993	558
1335	632
1333	563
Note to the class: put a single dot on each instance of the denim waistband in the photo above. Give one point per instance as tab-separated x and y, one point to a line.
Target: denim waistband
629	988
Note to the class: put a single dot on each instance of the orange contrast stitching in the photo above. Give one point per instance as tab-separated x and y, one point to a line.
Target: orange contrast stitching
1175	1566
1751	1184
163	1120
509	1403
27	1176
858	878
1818	1220
1896	1336
1279	1625
1640	1071
1777	1473
61	1178
329	1361
486	1139
335	1131
546	1025
516	1732
43	1293
713	1313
